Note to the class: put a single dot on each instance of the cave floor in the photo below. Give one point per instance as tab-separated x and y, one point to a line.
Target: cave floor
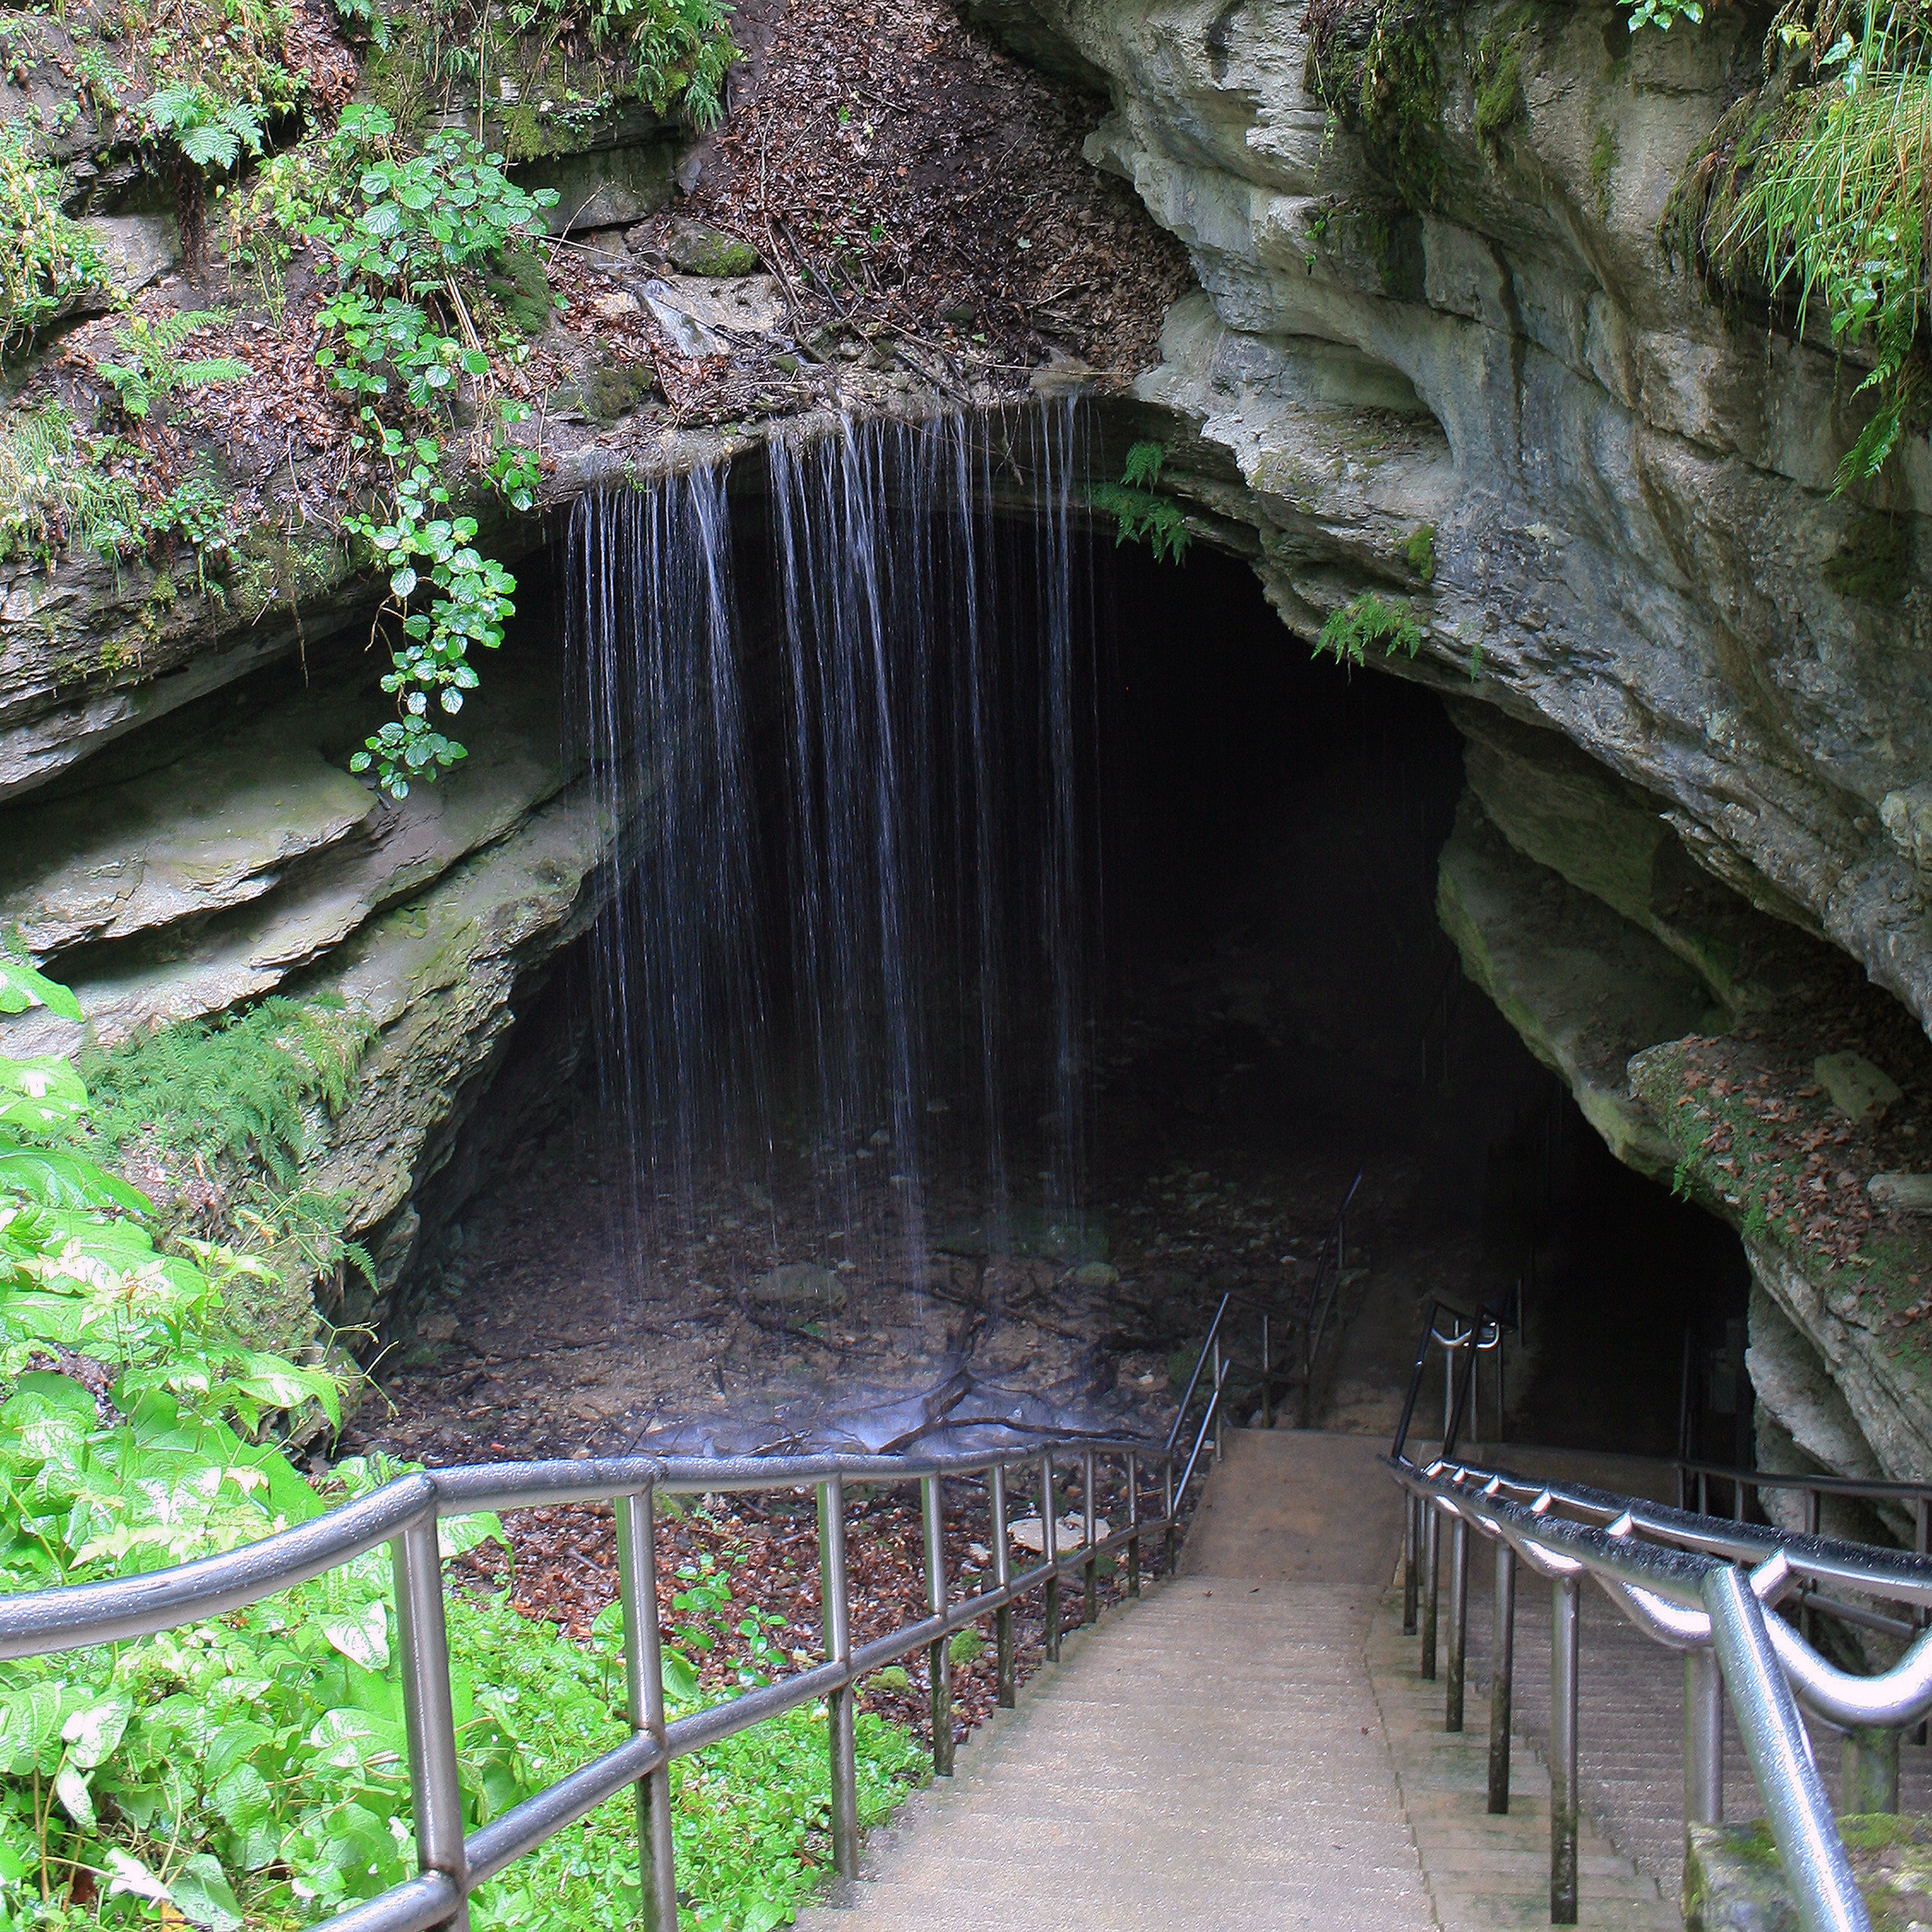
1209	1172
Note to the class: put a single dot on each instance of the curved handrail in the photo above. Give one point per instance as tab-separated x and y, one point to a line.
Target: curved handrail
1678	1577
403	1514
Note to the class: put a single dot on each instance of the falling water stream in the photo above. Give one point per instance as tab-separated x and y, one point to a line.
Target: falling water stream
855	849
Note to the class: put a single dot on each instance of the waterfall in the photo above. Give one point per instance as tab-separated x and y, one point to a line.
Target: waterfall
842	717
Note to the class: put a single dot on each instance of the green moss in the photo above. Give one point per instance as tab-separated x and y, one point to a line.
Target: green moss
1419	553
520	288
1401	101
1378	71
1498	79
1874	563
1605	152
614	389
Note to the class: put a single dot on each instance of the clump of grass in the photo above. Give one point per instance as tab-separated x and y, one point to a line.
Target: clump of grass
1832	207
54	491
236	1088
46	260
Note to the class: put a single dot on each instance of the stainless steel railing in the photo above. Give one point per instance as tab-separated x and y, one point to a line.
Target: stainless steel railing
1701	1585
1266	1323
404	1514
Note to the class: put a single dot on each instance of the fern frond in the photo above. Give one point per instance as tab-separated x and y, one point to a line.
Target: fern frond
1141	469
212	369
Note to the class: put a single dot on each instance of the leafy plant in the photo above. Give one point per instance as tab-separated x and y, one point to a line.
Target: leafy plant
678	51
1364	621
474	604
197	130
1142	516
1665	13
57	488
1835	211
236	1088
1418	552
154	370
46	260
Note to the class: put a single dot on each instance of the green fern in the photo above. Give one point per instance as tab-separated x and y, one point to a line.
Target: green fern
236	1088
210	134
153	371
1143	517
1366	620
1142	470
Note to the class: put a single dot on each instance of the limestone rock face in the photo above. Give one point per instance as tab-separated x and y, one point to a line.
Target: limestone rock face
1634	531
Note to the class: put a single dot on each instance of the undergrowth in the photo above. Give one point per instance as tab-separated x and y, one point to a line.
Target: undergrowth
1815	193
252	1771
236	1087
55	491
46	260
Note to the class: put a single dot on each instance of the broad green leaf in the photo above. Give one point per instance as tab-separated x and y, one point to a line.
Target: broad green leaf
457	1535
680	1679
132	1876
42	1095
201	1894
93	1732
21	987
363	1640
58	1180
76	1801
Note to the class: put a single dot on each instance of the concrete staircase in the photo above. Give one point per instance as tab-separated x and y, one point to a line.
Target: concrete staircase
1245	1749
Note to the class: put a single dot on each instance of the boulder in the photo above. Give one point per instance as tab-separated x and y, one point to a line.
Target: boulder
697	250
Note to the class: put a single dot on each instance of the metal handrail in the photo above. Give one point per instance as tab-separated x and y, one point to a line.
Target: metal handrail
1316	1321
403	1513
1214	1352
1676	1575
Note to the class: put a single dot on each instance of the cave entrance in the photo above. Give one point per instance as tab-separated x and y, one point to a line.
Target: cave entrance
989	1047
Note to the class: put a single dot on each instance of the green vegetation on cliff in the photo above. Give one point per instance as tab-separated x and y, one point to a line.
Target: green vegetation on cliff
1813	193
253	1770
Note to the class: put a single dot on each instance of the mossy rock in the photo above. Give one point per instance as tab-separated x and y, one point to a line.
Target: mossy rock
1874	563
696	250
613	389
1734	1879
518	286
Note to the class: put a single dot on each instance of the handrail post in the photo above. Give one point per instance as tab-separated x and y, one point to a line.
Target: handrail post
1703	1739
429	1715
1502	1673
1133	1524
1868	1780
1219	1406
1170	1536
1816	1867
1432	1540
939	1655
1002	1575
1563	1795
1459	1621
1090	1576
834	1601
1411	1523
1807	1619
644	1695
1049	1547
1268	1392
